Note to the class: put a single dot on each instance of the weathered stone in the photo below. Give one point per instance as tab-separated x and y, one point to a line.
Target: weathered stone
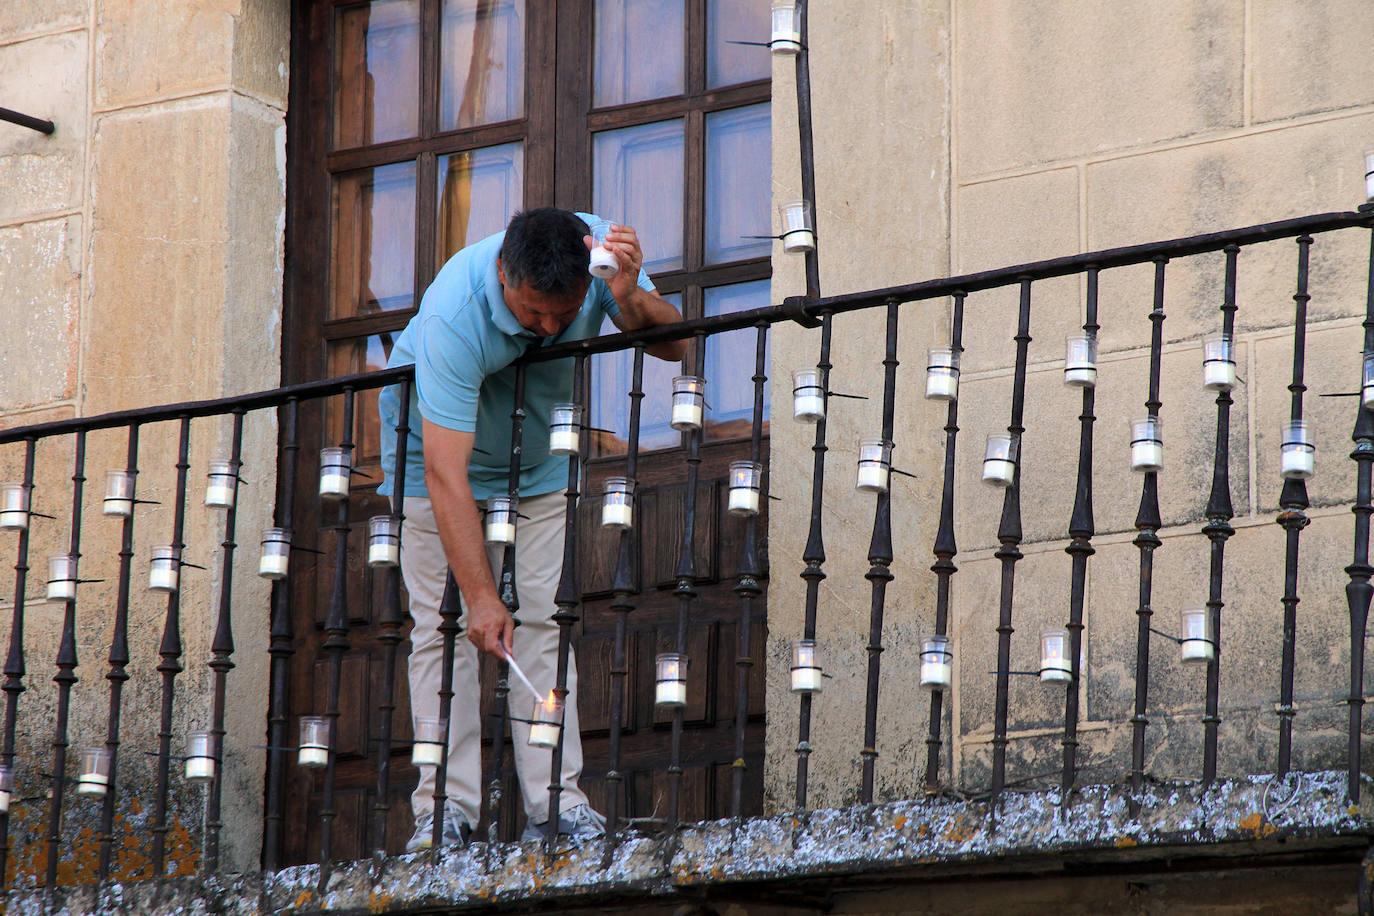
45	78
40	270
1309	57
262	38
162	48
1036	86
31	17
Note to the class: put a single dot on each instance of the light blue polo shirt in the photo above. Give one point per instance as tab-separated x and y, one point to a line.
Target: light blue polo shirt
462	342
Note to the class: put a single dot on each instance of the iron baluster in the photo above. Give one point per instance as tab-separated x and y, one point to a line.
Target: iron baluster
66	668
119	658
389	633
281	647
748	588
450	615
1358	590
567	599
1292	501
14	659
623	588
1079	549
1147	523
944	550
880	563
1009	536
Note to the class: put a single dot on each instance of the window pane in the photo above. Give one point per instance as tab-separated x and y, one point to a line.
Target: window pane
637	175
374	240
739	180
362	354
479	191
610	401
639	50
730	363
377	72
737	20
482	73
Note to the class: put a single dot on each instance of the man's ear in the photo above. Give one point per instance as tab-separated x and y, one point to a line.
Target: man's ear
500	272
589	242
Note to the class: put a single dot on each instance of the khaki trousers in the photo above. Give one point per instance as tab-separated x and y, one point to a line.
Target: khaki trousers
539	562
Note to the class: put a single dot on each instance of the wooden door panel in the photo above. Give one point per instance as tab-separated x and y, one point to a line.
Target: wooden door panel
667	513
350	822
354	706
594	683
701	662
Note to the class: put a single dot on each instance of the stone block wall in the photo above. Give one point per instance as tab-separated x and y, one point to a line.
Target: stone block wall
959	135
140	263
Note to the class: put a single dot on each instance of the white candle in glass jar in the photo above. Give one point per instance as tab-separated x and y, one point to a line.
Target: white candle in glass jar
1219	375
670	693
63	590
686	416
4	801
563	441
942	384
1195	644
798	233
500	532
806	680
999	471
604	265
334	484
1055	666
872	478
162	575
937	674
219	496
384	553
92	784
808	408
1080	377
1196	650
744	501
426	754
1147	455
313	755
544	734
61	578
200	768
1299	462
272	566
786	35
118	508
14	507
119	491
616	515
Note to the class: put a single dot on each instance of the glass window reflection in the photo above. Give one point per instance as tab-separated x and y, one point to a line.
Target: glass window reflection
360	354
377	72
739	180
731	21
482	66
637	175
730	363
639	50
479	191
373	240
612	374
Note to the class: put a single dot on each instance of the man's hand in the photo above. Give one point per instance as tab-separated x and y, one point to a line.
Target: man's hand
623	242
490	626
639	308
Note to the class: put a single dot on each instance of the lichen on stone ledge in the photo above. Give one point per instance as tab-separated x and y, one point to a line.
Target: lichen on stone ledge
939	834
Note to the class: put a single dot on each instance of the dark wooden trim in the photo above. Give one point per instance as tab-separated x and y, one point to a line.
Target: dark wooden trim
677	106
431	34
573	177
694	46
455	141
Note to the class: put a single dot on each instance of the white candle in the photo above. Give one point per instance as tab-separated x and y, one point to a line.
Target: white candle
1367	396
1219	375
936	675
384	553
219	495
4	801
999	472
200	768
313	755
1195	645
1080	361
1147	456
743	501
670	693
62	590
686	416
786	36
14	507
797	233
500	533
604	265
1299	462
799	240
14	520
61	578
563	441
92	784
162	578
872	478
544	734
118	508
1080	378
272	566
942	384
808	408
426	754
806	680
334	484
1196	650
1369	176
616	515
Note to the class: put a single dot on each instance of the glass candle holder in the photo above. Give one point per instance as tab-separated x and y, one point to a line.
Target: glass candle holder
999	460
61	578
546	721
1055	665
276	553
875	465
313	751
942	374
119	494
1080	361
806	667
670	679
6	788
500	525
937	663
1366	385
808	397
383	541
164	570
565	429
1147	444
798	226
617	503
1219	363
430	734
14	506
1369	176
603	264
200	756
786	38
746	482
1197	643
93	777
336	467
219	485
689	399
1299	453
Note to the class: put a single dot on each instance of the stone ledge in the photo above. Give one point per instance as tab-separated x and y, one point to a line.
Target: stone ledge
928	837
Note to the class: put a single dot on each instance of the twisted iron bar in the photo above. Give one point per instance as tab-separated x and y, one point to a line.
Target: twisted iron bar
14	658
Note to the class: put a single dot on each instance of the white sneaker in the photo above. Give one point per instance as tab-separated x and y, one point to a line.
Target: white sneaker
456	831
580	822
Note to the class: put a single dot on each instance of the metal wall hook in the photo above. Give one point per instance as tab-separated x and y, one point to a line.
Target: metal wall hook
29	121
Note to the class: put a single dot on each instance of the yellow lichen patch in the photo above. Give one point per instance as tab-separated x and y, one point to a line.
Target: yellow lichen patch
378	902
1126	842
923	831
303	898
900	822
961	832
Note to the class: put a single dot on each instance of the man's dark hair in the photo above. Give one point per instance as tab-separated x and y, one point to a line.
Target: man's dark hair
543	249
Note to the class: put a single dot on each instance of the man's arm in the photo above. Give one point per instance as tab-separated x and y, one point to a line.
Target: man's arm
447	452
639	308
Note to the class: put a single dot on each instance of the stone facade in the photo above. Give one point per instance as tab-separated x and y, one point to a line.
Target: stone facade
140	263
964	135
